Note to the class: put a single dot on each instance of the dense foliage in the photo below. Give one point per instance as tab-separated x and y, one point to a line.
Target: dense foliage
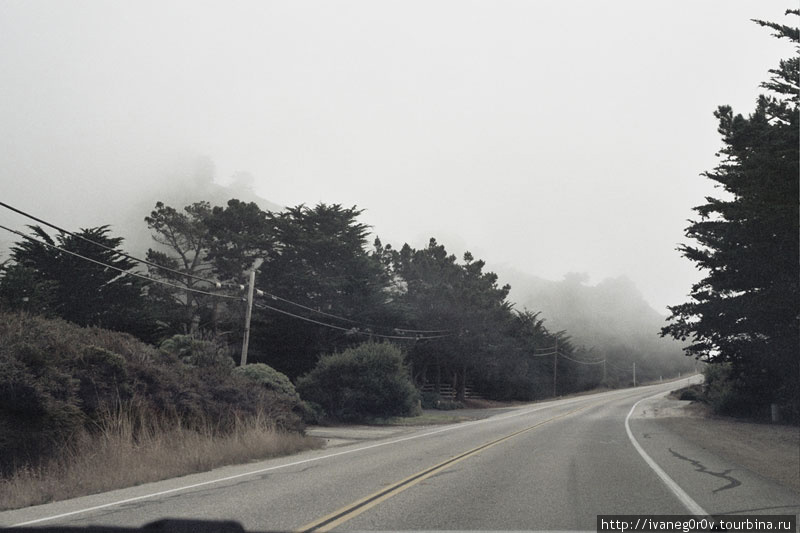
66	277
58	379
367	381
267	377
320	289
744	312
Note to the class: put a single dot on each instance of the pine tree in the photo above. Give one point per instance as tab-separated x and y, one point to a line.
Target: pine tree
45	278
745	311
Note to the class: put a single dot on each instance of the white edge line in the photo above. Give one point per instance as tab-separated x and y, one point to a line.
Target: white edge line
295	463
687	501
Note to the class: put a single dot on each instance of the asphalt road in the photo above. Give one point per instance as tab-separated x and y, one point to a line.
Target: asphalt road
545	466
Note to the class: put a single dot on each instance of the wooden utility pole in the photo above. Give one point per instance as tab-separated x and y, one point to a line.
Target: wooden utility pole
634	373
604	371
248	314
555	369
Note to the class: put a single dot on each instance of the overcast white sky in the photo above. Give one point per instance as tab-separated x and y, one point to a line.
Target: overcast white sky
551	136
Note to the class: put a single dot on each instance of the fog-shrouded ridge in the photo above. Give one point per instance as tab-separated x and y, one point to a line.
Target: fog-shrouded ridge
610	319
185	181
439	117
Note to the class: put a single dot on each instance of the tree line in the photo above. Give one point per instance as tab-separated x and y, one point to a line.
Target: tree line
321	287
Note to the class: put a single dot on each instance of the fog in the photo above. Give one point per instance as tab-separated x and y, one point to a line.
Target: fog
546	137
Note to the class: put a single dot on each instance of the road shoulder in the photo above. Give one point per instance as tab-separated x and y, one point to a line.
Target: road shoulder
769	450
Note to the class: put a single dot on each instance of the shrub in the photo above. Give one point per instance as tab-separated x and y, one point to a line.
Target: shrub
198	352
367	381
312	412
38	409
58	379
431	400
692	393
720	390
449	405
268	377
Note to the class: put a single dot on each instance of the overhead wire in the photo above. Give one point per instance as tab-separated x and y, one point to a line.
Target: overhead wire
581	362
187	275
551	351
424	330
344	319
348	330
118	252
122	271
191	276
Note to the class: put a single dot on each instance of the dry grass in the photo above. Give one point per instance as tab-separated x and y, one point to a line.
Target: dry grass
127	450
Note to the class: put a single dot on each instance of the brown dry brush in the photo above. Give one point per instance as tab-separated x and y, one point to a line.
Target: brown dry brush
84	410
127	450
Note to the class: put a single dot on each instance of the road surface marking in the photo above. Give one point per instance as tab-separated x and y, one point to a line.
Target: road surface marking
684	498
498	418
348	512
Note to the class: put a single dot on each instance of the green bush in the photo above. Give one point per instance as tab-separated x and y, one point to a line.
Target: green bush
368	381
38	406
102	379
692	393
312	412
719	389
199	352
449	405
58	379
431	400
267	377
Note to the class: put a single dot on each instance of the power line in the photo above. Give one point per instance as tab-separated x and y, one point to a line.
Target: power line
192	276
347	330
123	254
187	275
344	319
274	297
446	330
581	362
122	271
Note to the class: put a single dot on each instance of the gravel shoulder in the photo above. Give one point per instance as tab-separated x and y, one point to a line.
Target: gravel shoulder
770	450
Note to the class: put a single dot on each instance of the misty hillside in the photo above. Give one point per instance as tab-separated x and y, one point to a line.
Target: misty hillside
123	204
611	319
179	191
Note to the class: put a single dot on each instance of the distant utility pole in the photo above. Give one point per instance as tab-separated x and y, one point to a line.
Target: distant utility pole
555	368
248	314
634	373
604	370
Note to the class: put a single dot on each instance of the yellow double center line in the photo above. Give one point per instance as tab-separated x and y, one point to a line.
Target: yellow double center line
348	512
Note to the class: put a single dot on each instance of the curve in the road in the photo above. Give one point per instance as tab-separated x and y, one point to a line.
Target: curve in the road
692	506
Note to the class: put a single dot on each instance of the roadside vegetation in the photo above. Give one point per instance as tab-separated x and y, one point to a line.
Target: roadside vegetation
116	371
365	382
742	317
320	289
719	392
86	409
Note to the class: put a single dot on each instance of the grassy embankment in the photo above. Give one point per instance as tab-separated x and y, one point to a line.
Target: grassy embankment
88	410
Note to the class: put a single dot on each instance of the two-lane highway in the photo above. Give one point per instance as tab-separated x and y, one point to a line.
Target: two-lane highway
547	466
